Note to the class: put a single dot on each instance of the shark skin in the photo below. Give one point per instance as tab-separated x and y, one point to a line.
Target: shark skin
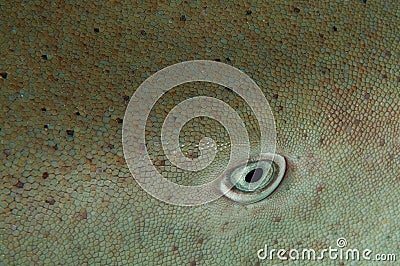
329	70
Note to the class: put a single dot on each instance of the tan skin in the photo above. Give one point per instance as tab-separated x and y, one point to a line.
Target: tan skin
329	71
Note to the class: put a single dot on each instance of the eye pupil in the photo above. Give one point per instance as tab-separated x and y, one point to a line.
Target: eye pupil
254	175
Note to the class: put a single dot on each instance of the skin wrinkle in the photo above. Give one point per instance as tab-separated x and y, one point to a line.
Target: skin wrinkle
329	70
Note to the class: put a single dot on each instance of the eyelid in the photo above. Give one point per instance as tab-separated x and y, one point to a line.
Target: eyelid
258	194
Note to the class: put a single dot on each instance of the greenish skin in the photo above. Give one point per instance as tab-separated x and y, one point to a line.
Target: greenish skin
330	73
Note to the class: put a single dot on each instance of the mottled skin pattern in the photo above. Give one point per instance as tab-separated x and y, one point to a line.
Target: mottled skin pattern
330	71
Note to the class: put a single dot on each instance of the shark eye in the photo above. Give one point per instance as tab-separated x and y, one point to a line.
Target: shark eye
254	180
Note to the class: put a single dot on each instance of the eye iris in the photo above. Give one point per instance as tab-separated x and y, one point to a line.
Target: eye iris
256	180
254	175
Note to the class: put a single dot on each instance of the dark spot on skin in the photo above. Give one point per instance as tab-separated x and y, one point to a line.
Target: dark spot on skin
96	30
70	132
320	188
126	99
286	255
119	120
277	219
182	18
51	201
82	215
217	60
55	147
44	109
7	152
45	175
4	75
45	56
193	263
46	126
225	224
334	28
275	96
143	32
174	248
193	155
296	10
200	241
19	184
384	76
248	12
77	113
364	2
228	60
159	163
382	142
321	35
